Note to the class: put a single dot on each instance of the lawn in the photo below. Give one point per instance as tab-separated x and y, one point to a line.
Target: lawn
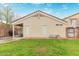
40	47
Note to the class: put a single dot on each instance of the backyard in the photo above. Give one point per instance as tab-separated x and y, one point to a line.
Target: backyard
40	47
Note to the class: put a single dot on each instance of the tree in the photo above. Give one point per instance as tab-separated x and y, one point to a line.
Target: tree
1	20
7	14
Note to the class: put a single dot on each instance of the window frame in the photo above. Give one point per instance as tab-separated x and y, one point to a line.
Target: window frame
59	24
67	32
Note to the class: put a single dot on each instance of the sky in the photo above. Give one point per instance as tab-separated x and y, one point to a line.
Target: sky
60	10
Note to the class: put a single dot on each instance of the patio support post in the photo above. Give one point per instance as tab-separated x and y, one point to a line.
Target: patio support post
13	29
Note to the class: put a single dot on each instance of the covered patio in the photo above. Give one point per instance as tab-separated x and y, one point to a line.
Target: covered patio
17	30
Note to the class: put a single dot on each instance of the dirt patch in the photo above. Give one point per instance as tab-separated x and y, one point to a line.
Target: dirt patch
41	50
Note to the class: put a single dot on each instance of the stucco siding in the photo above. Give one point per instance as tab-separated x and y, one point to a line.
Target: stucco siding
69	19
40	24
36	23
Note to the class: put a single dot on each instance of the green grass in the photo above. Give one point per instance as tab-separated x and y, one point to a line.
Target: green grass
40	47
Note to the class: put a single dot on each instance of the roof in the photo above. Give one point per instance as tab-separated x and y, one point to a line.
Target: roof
41	12
71	16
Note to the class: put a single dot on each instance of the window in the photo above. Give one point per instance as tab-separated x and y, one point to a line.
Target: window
59	24
70	32
70	35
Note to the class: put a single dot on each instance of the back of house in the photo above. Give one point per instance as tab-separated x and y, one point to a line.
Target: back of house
40	24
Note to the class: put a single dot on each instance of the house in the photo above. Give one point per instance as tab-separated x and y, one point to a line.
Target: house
72	29
39	24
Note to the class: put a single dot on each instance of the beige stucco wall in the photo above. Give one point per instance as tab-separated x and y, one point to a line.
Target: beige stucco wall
36	26
73	17
36	23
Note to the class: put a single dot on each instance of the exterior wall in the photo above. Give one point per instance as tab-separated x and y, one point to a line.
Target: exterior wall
71	18
73	21
77	32
36	23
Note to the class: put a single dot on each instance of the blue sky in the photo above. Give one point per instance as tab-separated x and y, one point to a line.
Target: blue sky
60	10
